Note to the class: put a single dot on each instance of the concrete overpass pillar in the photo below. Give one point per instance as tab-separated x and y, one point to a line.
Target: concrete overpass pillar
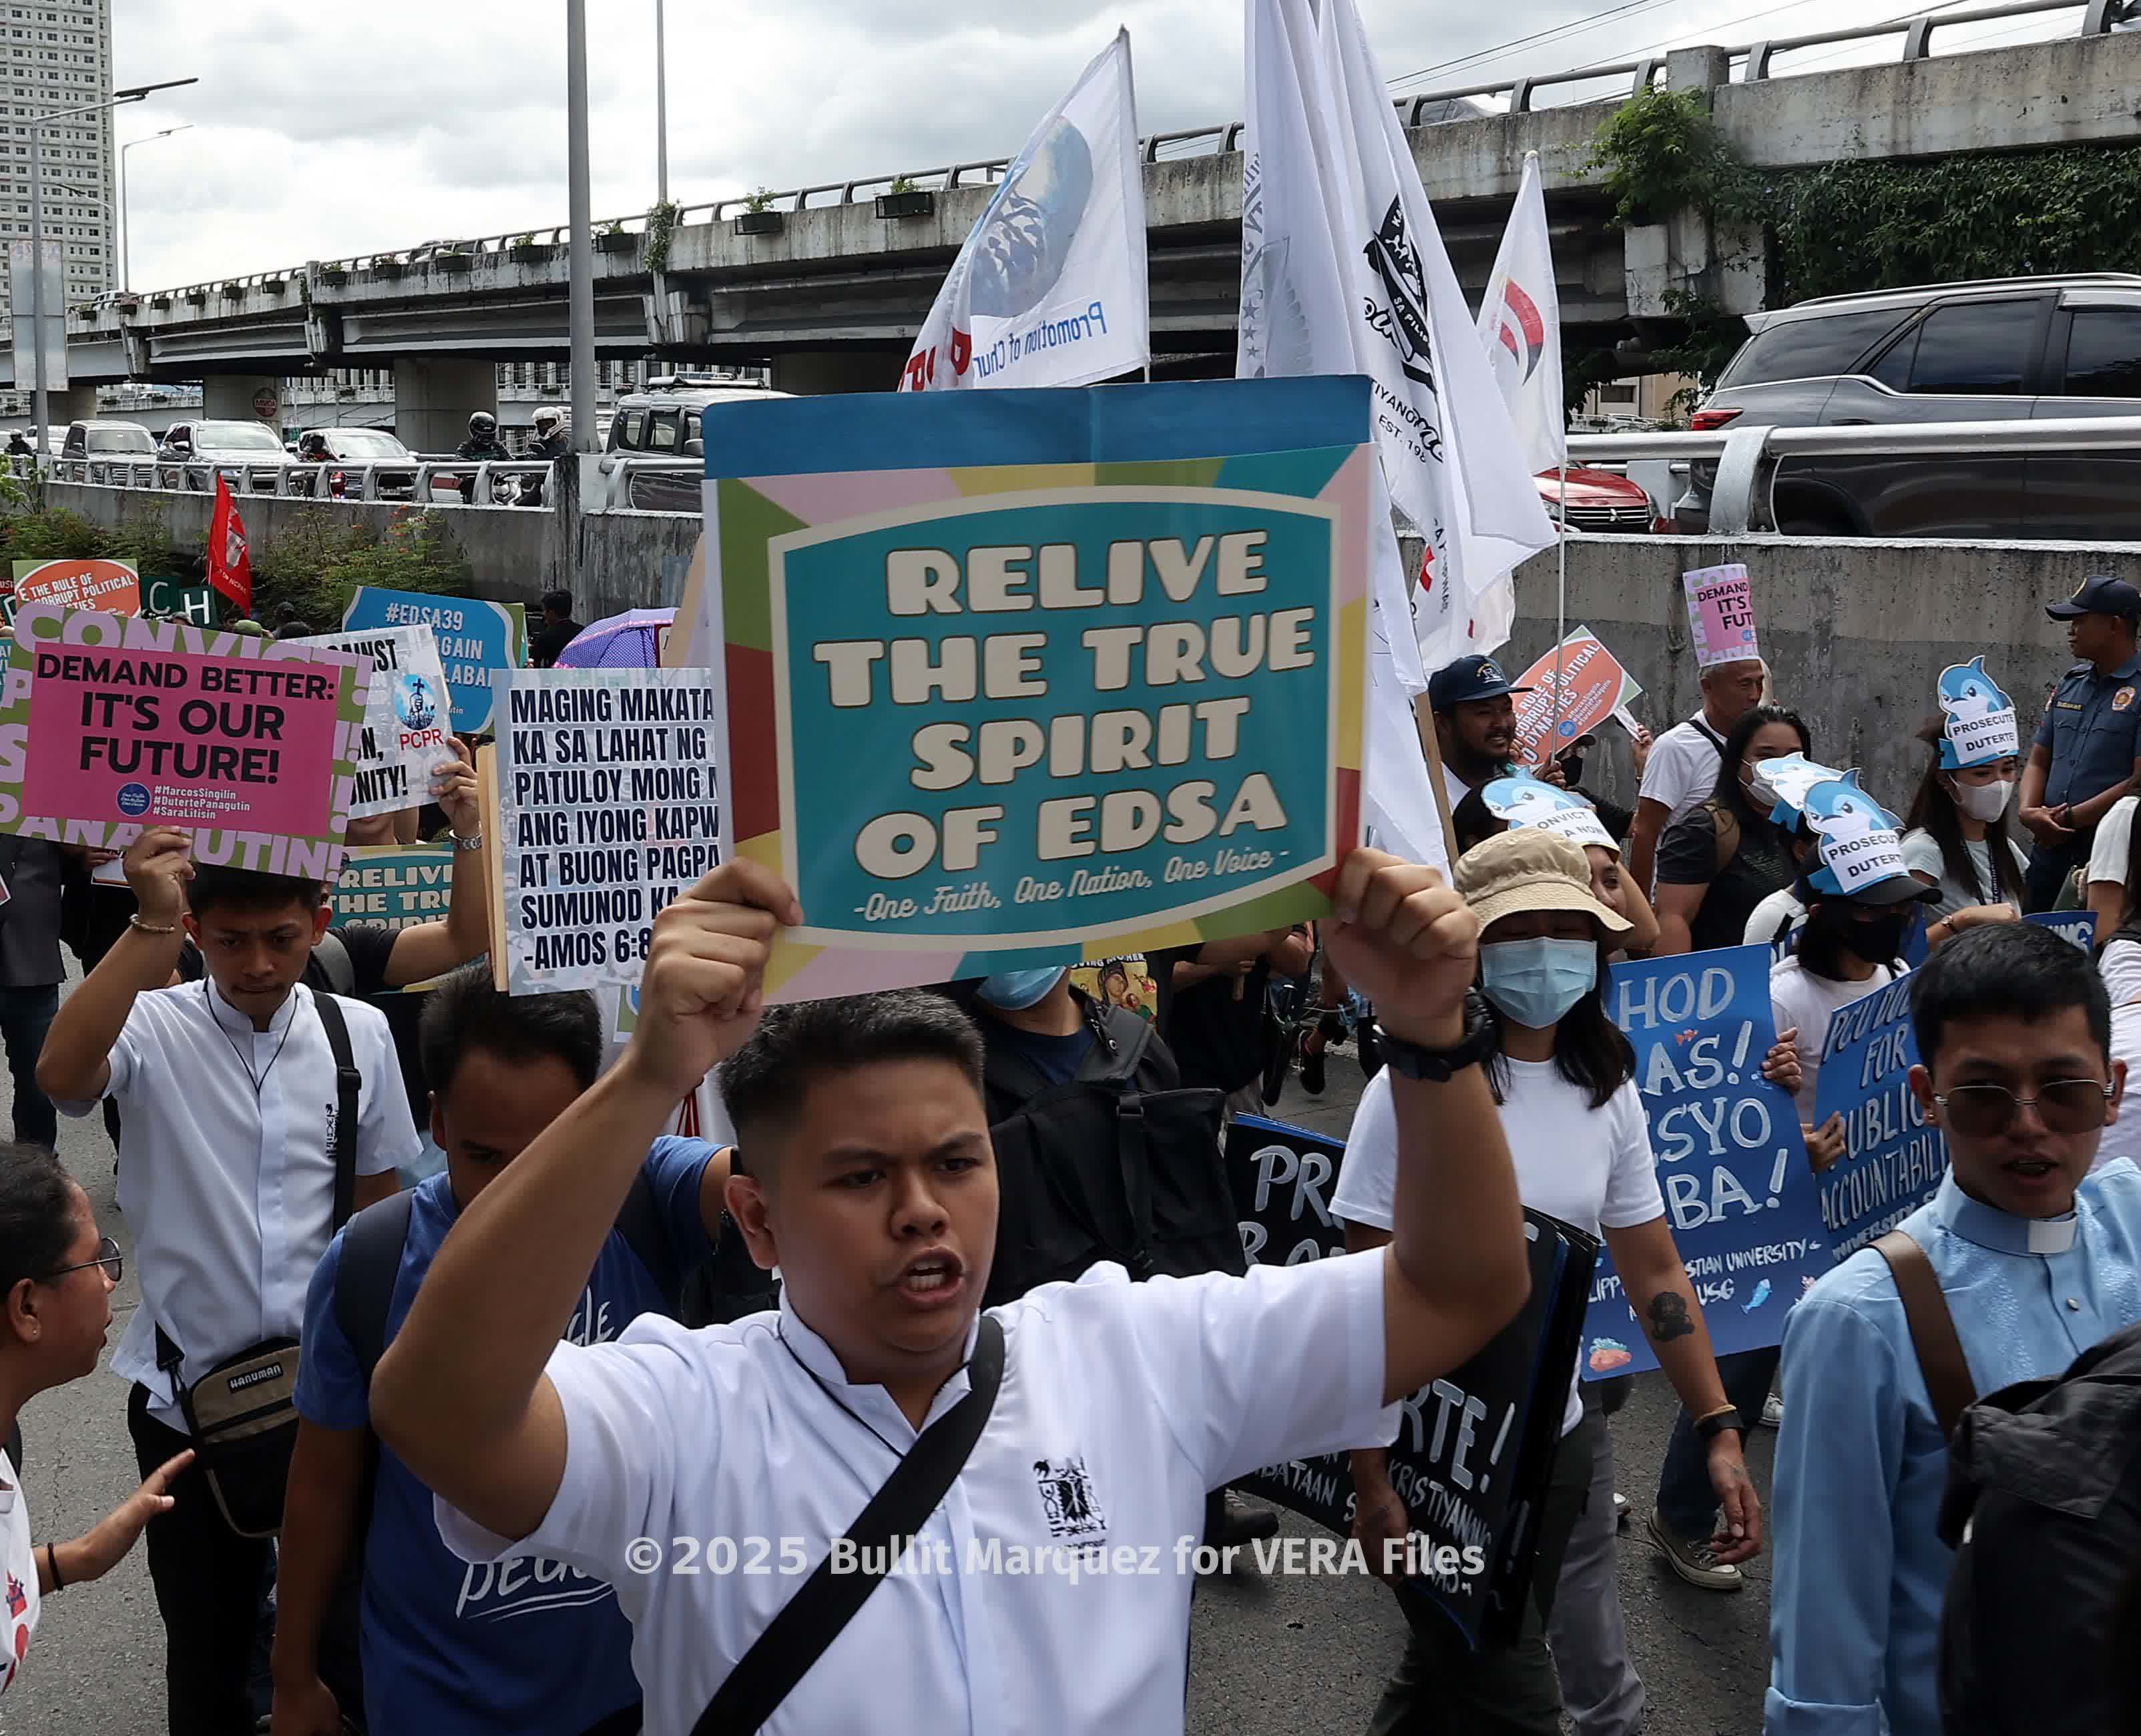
433	400
243	398
812	373
69	404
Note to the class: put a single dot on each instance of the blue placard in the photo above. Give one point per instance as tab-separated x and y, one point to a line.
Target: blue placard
1740	1198
1892	1161
476	639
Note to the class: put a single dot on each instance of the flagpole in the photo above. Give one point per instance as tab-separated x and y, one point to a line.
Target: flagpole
1561	608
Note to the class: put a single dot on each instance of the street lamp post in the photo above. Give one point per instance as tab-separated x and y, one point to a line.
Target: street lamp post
126	216
580	289
661	109
38	123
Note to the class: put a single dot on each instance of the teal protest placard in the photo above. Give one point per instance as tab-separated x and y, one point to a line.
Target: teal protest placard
393	886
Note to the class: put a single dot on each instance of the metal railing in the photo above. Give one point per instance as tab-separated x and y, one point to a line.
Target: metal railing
1753	61
429	481
1743	496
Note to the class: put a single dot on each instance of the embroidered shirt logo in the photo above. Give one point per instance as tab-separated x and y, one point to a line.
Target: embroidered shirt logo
1068	1499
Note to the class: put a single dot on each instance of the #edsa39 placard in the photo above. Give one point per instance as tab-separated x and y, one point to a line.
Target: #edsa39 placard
1056	704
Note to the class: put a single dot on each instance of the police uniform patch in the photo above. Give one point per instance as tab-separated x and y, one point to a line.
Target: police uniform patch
2122	699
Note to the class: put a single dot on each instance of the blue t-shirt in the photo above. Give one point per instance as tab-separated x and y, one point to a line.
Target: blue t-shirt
529	1646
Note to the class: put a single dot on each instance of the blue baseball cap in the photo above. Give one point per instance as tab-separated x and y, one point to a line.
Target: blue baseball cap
1468	680
2101	594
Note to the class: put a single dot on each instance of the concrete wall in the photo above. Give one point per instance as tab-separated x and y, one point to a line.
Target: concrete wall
1855	633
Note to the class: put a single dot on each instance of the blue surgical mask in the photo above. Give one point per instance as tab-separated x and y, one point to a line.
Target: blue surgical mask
1536	982
1016	990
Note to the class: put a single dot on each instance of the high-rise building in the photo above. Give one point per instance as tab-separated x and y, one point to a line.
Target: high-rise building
58	55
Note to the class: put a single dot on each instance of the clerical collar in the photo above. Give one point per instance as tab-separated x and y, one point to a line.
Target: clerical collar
2002	1231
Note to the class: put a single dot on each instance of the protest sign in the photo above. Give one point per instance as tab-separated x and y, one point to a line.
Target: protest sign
113	587
1732	1164
408	723
476	640
169	598
393	886
1593	687
1720	615
1892	1162
608	810
2077	928
1474	1447
1022	674
247	743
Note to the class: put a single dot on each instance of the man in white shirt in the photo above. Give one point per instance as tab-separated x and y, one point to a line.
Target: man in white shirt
228	1094
1684	761
1049	1591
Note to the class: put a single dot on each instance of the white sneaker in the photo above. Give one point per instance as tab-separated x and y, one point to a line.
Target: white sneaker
1620	1508
1773	1412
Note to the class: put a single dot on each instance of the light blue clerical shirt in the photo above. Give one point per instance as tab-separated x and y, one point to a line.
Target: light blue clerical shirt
1855	1603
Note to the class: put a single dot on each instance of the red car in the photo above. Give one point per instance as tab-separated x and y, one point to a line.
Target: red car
1601	502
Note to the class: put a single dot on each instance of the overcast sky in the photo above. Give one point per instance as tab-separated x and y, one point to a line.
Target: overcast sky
322	131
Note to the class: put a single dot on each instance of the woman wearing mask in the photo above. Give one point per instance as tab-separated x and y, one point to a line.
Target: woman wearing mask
1524	800
1726	857
56	1275
1958	839
1581	1149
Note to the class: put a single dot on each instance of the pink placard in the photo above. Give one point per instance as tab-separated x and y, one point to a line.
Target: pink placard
1720	615
154	738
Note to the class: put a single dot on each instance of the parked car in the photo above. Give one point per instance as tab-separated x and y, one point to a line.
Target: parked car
107	440
662	421
363	446
2024	349
1602	502
232	447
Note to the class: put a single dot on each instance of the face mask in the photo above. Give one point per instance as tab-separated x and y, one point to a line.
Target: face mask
1877	941
1016	990
1984	801
1536	982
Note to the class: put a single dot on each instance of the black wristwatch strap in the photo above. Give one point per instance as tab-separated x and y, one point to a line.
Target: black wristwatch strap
1710	1428
1436	1065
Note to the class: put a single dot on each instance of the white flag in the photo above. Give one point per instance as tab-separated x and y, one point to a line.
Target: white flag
1051	288
1300	238
1520	327
1456	466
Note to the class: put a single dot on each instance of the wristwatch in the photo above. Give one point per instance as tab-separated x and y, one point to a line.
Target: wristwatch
1437	1066
1711	1427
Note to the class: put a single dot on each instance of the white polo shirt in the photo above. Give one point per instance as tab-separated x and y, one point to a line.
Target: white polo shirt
1121	1404
224	1171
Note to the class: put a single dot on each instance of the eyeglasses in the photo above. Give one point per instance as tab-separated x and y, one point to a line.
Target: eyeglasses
107	1256
2064	1106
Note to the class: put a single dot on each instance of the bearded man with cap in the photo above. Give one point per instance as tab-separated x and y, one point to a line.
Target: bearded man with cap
2083	759
1475	725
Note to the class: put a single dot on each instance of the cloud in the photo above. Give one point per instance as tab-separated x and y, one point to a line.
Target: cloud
320	133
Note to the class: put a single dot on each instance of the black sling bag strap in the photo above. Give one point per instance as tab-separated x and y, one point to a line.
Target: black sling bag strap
349	1081
812	1619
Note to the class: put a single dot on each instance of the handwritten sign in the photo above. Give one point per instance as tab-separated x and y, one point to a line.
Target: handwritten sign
1892	1160
408	723
1593	687
476	640
114	587
608	810
1720	615
393	886
1069	707
1473	1448
247	743
1732	1165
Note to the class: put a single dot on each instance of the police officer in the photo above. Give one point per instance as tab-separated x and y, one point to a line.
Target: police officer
2083	759
483	446
553	441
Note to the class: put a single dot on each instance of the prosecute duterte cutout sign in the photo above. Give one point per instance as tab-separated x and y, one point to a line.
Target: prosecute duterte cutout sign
1025	712
108	726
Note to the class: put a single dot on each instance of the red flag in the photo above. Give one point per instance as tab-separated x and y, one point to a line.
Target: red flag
230	562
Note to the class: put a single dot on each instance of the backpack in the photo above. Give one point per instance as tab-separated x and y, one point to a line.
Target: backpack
2043	1508
1104	1167
371	1260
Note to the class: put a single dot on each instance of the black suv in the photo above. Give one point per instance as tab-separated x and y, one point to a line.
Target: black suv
662	421
2020	349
